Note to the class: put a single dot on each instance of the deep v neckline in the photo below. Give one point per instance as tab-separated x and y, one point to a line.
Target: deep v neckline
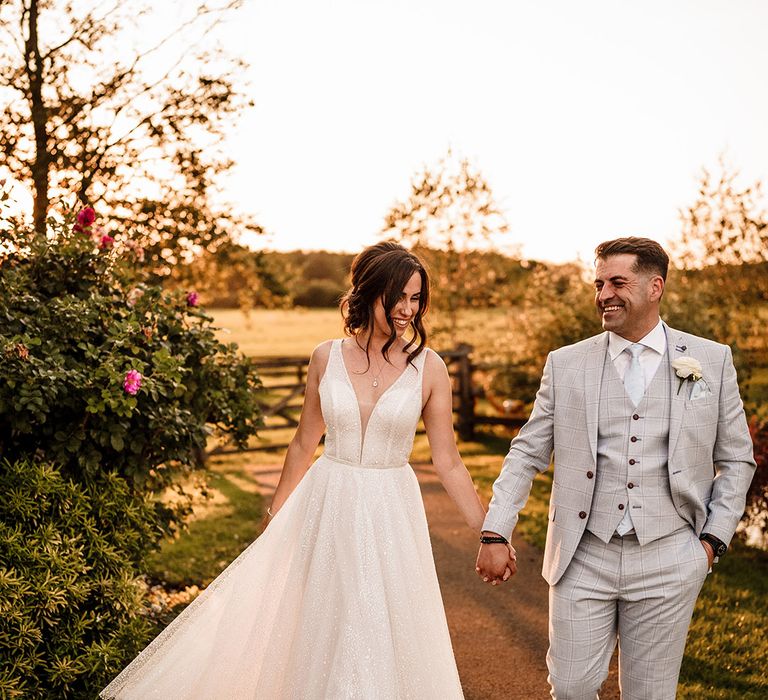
364	431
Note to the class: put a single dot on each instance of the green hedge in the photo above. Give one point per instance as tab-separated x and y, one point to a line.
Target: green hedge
69	601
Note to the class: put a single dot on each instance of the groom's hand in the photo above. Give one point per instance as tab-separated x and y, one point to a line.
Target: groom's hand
496	563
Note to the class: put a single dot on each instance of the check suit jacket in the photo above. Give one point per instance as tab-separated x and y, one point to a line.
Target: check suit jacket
710	450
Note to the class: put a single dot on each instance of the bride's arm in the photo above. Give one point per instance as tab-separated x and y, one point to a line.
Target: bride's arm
307	437
438	420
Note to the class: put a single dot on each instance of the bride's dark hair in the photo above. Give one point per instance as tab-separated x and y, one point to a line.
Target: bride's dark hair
382	270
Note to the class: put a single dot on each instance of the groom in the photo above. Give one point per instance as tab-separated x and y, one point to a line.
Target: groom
652	461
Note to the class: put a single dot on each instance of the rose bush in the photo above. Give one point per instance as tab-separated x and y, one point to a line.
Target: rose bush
104	371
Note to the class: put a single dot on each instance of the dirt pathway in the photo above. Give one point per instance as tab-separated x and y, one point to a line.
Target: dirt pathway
499	633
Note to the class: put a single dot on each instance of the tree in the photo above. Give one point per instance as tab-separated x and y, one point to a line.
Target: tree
721	263
235	276
131	119
449	216
725	224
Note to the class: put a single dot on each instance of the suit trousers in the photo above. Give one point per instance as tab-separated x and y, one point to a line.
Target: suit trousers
641	596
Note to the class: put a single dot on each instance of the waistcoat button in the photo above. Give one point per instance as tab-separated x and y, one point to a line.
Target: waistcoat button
633	439
582	515
635	417
589	475
630	485
632	461
621	506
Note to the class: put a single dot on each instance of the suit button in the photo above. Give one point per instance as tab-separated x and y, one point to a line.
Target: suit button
582	515
635	417
621	506
589	475
632	461
633	439
630	485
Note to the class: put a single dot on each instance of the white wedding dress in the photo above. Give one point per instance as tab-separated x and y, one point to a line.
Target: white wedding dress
338	598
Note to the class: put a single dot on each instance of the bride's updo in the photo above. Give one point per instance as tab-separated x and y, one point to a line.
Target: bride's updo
382	270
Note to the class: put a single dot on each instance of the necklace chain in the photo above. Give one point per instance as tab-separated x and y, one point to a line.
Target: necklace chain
378	375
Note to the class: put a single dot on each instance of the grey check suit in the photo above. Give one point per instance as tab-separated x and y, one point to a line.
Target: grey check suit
710	465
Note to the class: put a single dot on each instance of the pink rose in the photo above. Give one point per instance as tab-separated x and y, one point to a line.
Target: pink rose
86	216
134	295
193	298
132	382
106	241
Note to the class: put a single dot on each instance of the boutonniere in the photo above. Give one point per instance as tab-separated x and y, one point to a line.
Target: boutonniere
688	369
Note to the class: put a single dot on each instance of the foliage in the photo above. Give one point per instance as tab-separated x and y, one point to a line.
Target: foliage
727	303
137	130
235	276
321	278
721	261
450	209
725	225
75	321
68	599
757	497
557	309
318	293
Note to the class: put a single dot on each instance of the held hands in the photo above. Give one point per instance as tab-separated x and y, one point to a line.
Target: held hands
496	563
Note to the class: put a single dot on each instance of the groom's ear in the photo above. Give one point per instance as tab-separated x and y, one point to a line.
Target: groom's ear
657	288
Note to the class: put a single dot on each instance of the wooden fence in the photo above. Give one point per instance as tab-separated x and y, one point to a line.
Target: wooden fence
284	381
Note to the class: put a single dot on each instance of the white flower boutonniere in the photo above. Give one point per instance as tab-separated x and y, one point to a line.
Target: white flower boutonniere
687	368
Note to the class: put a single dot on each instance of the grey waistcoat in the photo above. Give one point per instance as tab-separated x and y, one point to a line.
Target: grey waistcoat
632	452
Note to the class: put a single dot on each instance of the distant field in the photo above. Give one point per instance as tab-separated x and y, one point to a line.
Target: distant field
297	331
278	332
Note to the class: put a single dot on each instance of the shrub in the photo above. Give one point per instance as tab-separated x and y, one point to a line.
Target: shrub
104	371
68	598
757	498
318	293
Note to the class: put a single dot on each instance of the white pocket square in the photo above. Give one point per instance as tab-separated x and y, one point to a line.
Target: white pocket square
699	390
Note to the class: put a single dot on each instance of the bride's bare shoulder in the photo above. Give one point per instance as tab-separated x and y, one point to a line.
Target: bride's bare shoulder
434	366
318	360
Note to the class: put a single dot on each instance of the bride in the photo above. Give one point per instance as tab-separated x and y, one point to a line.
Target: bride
338	598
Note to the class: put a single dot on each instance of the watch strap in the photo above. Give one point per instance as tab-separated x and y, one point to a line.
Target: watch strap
718	546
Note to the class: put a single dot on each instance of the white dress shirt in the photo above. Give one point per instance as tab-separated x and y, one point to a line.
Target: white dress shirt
655	344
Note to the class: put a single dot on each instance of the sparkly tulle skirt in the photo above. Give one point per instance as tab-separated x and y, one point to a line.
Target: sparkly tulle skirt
338	598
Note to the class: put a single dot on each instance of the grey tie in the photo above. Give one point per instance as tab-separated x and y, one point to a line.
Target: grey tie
634	379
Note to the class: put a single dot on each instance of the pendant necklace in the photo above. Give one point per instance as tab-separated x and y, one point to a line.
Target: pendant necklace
377	375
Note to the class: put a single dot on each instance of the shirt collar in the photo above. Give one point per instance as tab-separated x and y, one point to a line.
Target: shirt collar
656	340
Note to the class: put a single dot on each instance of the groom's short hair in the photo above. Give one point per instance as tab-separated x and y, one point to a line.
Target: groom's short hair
651	257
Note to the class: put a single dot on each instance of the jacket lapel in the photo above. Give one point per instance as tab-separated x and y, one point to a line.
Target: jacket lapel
676	347
593	377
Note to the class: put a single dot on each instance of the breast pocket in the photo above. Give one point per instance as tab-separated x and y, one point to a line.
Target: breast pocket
702	413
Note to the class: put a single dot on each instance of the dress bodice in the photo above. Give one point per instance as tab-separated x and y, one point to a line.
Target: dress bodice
387	439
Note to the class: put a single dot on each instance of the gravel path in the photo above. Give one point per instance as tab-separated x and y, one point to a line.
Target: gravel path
499	633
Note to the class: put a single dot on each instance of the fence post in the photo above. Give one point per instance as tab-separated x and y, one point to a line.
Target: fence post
466	410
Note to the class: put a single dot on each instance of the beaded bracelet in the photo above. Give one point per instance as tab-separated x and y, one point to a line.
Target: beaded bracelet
493	539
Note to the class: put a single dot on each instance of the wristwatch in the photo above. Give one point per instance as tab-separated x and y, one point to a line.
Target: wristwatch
718	546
